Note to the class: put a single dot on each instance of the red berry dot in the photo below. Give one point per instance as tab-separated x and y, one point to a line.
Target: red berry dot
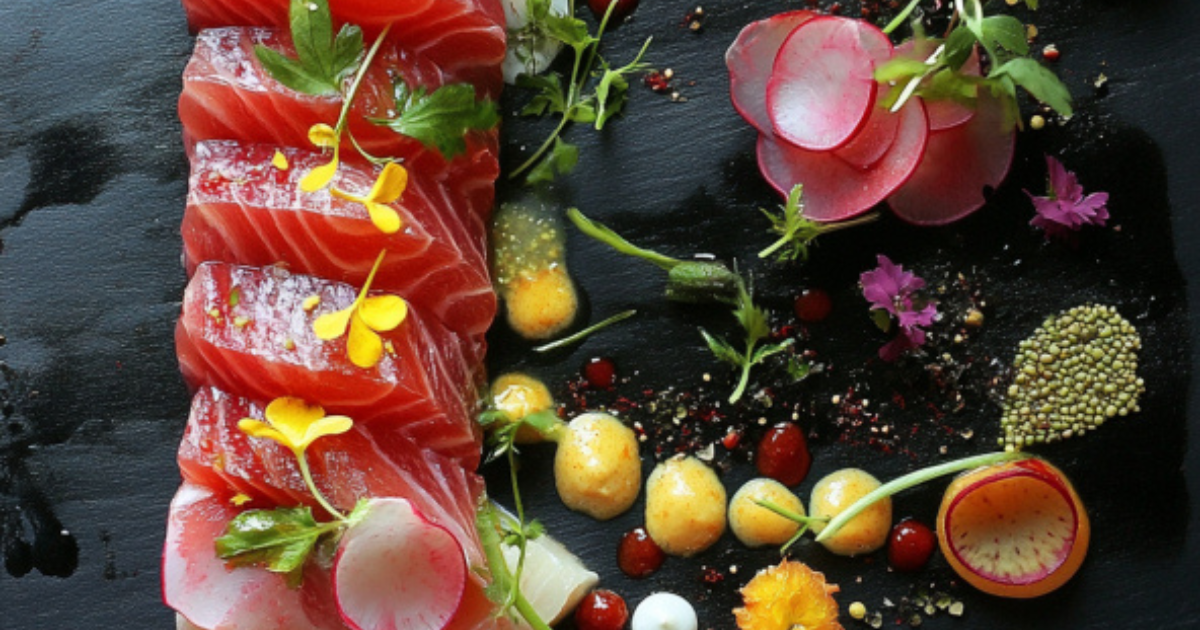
601	610
600	373
813	305
638	555
783	454
910	545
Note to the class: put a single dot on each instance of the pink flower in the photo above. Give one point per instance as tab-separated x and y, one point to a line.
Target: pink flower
889	288
1066	209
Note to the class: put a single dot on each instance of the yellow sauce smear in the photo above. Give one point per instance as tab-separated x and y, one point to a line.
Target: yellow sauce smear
531	270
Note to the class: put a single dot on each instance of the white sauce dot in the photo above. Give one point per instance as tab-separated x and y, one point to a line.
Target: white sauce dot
664	611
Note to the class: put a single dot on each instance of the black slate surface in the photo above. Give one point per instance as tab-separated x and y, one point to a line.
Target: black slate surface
92	405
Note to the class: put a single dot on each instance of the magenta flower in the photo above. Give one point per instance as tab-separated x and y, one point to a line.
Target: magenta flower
1066	209
890	289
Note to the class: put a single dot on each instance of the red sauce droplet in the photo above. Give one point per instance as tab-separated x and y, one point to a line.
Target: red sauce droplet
600	373
813	305
601	610
638	555
910	545
783	454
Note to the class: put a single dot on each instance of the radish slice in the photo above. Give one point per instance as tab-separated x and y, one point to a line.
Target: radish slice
873	142
822	84
945	114
835	190
750	59
395	570
959	163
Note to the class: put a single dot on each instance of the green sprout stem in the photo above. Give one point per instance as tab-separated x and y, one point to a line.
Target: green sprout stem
824	228
900	17
914	478
806	522
348	100
312	487
586	332
606	235
488	527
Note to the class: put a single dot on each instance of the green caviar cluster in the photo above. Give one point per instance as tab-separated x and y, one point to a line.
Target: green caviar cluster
527	239
1076	371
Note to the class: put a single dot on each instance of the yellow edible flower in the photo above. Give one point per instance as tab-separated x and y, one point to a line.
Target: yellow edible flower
365	318
325	137
387	189
295	424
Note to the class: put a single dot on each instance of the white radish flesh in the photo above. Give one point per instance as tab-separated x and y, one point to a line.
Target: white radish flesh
750	59
959	164
873	142
833	189
822	85
395	570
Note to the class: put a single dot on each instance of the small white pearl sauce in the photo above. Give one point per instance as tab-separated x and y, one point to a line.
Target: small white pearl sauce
664	611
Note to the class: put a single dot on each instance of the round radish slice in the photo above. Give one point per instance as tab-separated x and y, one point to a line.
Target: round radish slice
750	59
944	114
959	163
833	189
822	84
873	142
395	570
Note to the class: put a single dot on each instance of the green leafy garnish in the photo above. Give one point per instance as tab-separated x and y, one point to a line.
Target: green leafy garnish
279	540
939	76
572	98
504	588
440	119
753	320
691	281
323	60
798	232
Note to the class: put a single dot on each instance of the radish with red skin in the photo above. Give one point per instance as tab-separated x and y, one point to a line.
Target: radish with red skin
395	570
944	114
822	84
833	189
958	164
750	59
872	143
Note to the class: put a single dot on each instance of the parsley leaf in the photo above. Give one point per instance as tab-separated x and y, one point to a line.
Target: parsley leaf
322	60
562	160
279	540
440	119
798	232
753	320
1039	81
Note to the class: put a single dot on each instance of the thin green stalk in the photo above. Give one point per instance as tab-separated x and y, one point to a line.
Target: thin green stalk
312	487
900	17
913	479
583	334
348	100
745	379
606	235
537	155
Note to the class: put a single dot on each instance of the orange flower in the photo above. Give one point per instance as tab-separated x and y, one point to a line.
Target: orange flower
786	596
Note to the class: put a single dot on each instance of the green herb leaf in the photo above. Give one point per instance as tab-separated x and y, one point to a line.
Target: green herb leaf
549	97
722	349
561	161
612	90
1032	4
322	60
798	369
570	31
1039	81
899	69
1005	31
959	46
882	320
279	540
441	119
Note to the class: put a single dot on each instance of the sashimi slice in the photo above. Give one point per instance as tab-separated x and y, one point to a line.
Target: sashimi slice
464	37
833	189
243	209
959	164
227	95
246	330
822	84
944	114
750	59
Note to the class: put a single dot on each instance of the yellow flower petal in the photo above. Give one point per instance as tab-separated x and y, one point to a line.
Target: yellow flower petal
257	429
390	184
240	499
383	312
384	217
329	425
323	136
341	194
320	176
280	160
330	326
292	417
364	346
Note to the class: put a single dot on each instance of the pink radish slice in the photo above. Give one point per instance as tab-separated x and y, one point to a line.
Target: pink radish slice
822	84
872	143
835	190
750	59
945	114
395	570
958	164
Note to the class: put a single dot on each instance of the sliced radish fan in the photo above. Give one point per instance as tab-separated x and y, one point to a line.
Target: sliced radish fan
750	60
395	570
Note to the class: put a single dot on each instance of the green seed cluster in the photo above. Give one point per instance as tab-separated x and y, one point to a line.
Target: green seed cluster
527	238
1076	371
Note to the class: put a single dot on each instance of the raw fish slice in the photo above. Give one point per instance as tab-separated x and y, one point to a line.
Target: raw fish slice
833	189
750	59
227	95
242	209
261	345
959	164
465	37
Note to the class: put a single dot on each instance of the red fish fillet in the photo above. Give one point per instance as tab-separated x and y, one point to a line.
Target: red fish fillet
242	209
245	330
227	95
465	37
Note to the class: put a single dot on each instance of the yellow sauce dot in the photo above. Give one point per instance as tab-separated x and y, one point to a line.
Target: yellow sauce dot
519	395
755	525
543	305
685	506
597	468
530	270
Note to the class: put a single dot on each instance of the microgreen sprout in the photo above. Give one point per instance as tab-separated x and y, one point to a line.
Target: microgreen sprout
754	322
805	522
586	332
797	232
365	319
